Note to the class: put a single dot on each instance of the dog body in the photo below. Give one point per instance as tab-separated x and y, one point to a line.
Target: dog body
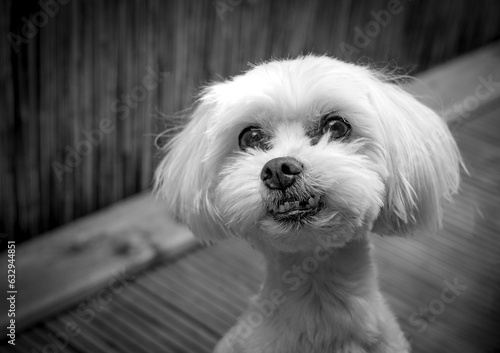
305	159
325	300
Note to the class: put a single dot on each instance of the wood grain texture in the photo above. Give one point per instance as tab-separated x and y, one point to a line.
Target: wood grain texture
65	266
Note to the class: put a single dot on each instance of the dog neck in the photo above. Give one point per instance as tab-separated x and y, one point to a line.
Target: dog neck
346	271
322	296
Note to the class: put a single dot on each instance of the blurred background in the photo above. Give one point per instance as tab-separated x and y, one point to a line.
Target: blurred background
85	84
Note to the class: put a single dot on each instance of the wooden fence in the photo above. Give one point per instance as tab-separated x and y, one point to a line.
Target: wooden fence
85	84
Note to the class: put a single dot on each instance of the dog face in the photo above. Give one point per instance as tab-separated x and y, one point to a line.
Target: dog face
297	152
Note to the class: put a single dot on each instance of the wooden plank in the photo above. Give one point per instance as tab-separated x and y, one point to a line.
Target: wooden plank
63	267
454	83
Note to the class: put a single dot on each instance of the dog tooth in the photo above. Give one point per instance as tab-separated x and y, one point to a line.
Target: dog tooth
287	206
311	201
297	204
282	208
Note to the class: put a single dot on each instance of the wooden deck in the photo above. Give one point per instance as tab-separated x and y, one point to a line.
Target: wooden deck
129	280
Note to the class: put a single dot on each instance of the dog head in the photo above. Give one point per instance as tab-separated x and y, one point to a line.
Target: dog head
310	150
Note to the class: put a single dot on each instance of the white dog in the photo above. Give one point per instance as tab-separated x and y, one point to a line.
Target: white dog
305	159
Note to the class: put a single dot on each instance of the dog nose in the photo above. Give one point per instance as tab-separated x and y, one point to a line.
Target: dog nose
279	173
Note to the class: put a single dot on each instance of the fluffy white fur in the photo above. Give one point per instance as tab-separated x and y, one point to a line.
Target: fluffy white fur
389	176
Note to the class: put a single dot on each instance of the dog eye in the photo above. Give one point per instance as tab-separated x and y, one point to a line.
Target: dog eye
252	137
336	126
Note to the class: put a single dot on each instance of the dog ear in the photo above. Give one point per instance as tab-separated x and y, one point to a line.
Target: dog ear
423	161
184	181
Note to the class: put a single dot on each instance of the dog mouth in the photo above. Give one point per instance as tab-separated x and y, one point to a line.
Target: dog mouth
294	209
